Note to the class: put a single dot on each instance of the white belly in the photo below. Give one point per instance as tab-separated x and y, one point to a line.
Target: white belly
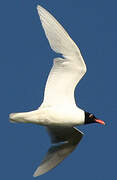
61	116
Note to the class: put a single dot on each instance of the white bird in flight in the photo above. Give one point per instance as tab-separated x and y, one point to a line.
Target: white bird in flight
58	112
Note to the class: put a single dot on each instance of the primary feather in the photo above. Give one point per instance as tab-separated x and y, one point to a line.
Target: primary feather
64	141
67	72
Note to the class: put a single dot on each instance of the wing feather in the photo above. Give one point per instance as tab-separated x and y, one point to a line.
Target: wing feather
65	141
67	72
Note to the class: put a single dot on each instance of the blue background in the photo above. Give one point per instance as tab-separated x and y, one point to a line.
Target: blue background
26	59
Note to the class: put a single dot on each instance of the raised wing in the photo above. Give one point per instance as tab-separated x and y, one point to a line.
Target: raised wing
67	72
64	141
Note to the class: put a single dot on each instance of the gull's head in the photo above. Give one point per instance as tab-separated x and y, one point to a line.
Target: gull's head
90	118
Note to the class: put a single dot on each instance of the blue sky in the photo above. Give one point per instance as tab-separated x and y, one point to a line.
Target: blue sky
26	59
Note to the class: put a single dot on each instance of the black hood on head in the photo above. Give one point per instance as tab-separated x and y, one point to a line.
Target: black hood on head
89	118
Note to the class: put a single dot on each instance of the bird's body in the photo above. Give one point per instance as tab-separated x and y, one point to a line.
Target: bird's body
67	116
59	112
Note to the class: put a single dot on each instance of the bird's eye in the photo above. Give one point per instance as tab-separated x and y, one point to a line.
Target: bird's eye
91	115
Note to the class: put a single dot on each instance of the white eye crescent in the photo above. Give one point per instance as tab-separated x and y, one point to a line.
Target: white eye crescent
91	115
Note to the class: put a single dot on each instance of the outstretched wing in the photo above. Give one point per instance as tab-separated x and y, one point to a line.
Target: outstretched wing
67	72
64	141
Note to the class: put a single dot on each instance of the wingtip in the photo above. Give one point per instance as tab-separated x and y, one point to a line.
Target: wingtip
38	172
35	174
40	10
39	7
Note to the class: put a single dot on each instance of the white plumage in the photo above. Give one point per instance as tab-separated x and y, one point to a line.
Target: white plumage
67	72
58	111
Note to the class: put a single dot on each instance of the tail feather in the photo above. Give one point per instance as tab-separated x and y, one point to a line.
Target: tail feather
24	117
